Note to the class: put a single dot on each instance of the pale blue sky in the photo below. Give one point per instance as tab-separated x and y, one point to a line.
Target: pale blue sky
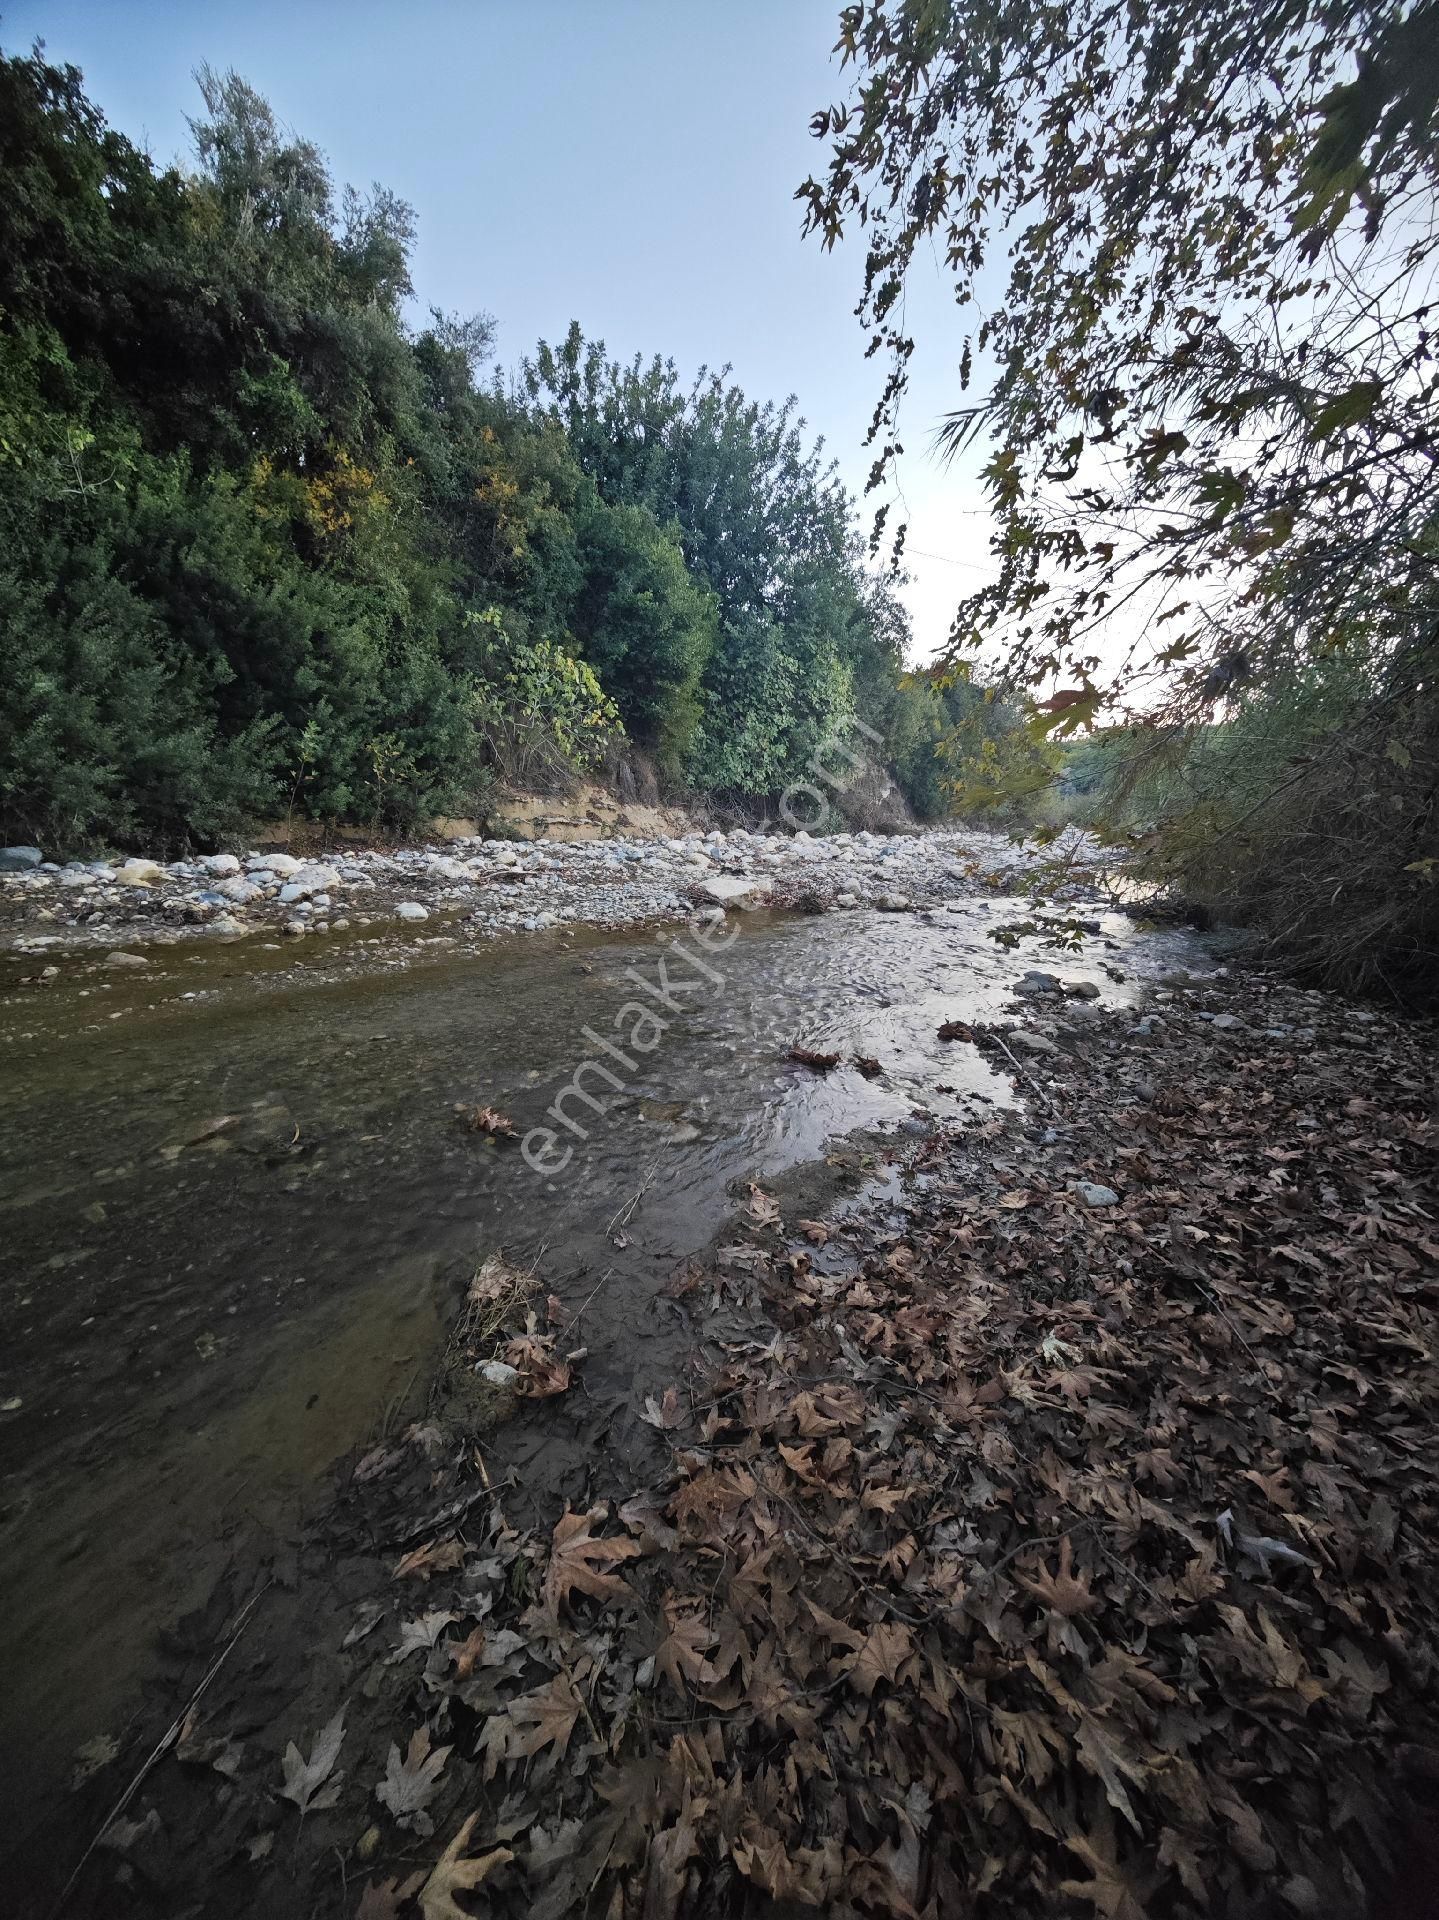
627	163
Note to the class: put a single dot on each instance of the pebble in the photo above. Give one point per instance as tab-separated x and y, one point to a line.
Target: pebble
411	910
1028	1042
126	960
1093	1195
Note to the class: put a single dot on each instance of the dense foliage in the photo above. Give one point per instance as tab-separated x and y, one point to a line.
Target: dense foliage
1202	241
267	547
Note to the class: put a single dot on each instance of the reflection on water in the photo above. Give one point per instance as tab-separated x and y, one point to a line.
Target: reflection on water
227	1223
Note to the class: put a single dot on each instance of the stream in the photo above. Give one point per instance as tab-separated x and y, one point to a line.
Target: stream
231	1223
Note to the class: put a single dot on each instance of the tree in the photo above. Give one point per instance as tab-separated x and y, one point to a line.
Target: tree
1211	404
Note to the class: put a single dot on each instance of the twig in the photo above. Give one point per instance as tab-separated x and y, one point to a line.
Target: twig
1039	1088
627	1211
163	1746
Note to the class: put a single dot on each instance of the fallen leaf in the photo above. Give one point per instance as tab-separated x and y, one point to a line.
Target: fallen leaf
418	1636
436	1557
305	1780
665	1413
410	1783
577	1561
453	1874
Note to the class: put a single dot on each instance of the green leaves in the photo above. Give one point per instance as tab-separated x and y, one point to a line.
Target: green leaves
1065	712
1347	409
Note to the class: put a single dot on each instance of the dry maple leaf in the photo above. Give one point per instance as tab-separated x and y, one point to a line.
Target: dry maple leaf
577	1560
885	1649
418	1636
680	1656
670	1852
956	1030
545	1718
815	1231
305	1780
867	1065
410	1783
1064	1592
488	1120
665	1412
452	1874
763	1208
541	1374
441	1556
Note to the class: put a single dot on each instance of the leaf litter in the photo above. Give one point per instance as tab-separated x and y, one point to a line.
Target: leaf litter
1026	1558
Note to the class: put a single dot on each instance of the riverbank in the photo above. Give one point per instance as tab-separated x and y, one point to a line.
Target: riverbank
476	890
1039	1503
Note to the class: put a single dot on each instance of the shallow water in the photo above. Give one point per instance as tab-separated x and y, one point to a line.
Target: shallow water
230	1226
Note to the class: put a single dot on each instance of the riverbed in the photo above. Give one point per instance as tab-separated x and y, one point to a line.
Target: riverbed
239	1193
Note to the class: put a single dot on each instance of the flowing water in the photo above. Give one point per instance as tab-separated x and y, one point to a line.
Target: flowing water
231	1224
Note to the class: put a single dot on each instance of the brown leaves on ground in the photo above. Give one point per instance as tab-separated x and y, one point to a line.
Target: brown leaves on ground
541	1371
437	1556
454	1874
1030	1558
578	1561
956	1030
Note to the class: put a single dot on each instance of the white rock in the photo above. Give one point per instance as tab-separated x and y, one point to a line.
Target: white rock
498	1373
239	889
220	863
727	886
126	960
283	864
1093	1195
411	910
138	873
1028	1042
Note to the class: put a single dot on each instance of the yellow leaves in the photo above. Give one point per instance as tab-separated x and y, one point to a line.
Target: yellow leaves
337	501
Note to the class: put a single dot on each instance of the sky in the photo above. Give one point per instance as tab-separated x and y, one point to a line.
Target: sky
630	164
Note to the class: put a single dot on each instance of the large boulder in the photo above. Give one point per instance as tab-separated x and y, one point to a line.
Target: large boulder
724	887
19	859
